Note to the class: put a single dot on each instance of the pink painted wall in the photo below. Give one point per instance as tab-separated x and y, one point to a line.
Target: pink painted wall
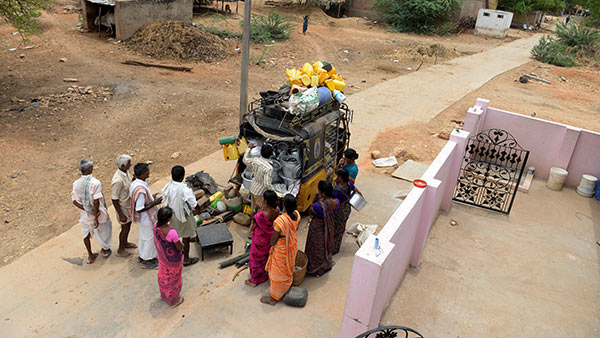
550	144
375	278
585	158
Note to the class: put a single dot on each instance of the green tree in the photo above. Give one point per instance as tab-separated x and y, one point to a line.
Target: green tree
525	7
419	16
23	14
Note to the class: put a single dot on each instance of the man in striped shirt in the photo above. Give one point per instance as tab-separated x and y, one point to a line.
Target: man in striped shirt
262	171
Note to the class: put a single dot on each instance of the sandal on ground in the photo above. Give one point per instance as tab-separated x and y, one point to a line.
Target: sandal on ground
92	260
192	261
179	301
249	283
124	254
106	253
152	266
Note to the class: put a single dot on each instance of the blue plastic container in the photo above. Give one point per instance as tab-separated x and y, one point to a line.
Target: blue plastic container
324	96
597	197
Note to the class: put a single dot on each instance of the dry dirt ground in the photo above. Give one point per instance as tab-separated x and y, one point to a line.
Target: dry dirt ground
48	125
573	98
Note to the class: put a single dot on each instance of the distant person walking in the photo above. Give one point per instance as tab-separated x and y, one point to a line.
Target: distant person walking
305	25
144	213
168	246
87	196
122	203
568	18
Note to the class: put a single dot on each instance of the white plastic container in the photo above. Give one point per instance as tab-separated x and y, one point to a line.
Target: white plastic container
557	178
587	186
339	96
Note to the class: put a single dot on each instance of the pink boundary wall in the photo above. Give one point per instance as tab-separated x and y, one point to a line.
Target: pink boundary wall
550	144
377	274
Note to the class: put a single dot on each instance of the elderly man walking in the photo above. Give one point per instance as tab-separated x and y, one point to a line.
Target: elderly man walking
262	170
180	198
87	196
122	203
144	213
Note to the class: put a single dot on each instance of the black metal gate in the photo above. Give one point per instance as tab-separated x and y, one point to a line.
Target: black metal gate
491	171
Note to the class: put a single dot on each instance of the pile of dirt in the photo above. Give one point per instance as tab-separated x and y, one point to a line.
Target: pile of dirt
418	52
177	41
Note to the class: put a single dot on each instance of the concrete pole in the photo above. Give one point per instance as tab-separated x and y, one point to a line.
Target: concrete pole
245	59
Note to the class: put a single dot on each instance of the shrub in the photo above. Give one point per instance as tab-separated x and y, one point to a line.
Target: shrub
23	14
273	27
578	37
418	16
554	52
220	27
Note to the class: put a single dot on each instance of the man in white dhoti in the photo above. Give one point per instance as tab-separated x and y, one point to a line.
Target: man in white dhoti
87	196
143	213
180	198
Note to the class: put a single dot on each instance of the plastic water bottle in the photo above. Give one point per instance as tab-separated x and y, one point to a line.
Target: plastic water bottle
339	96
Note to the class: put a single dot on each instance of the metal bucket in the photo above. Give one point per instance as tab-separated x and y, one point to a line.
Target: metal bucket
357	201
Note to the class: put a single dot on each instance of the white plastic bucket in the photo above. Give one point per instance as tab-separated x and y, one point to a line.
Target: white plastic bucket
557	178
587	186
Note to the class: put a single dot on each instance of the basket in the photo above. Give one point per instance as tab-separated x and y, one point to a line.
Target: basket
302	262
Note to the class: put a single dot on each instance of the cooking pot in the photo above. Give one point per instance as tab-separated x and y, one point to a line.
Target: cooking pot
357	201
247	179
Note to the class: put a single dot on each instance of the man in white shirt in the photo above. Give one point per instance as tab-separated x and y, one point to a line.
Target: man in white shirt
262	171
87	196
119	185
144	212
180	198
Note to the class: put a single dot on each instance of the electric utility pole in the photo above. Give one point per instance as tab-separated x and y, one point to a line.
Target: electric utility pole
245	59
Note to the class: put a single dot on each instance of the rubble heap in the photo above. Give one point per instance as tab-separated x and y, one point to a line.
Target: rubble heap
178	41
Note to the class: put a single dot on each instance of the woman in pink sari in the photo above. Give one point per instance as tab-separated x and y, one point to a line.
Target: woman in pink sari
262	231
170	259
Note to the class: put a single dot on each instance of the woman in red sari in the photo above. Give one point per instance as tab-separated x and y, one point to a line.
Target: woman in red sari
262	231
319	243
170	261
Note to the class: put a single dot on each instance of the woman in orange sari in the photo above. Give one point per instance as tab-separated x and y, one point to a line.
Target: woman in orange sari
284	246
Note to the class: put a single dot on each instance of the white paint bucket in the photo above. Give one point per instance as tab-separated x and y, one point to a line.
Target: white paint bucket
557	178
587	186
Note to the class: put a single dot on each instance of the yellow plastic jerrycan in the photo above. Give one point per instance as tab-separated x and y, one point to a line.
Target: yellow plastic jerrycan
307	69
339	85
329	83
314	81
317	66
305	80
332	71
230	152
242	145
322	77
215	196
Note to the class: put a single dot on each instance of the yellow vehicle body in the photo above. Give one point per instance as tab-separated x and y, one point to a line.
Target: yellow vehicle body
309	190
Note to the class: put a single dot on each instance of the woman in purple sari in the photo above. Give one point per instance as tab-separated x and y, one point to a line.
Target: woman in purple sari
170	259
319	243
262	231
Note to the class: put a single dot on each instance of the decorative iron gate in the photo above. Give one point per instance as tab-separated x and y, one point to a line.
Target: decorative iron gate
491	171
